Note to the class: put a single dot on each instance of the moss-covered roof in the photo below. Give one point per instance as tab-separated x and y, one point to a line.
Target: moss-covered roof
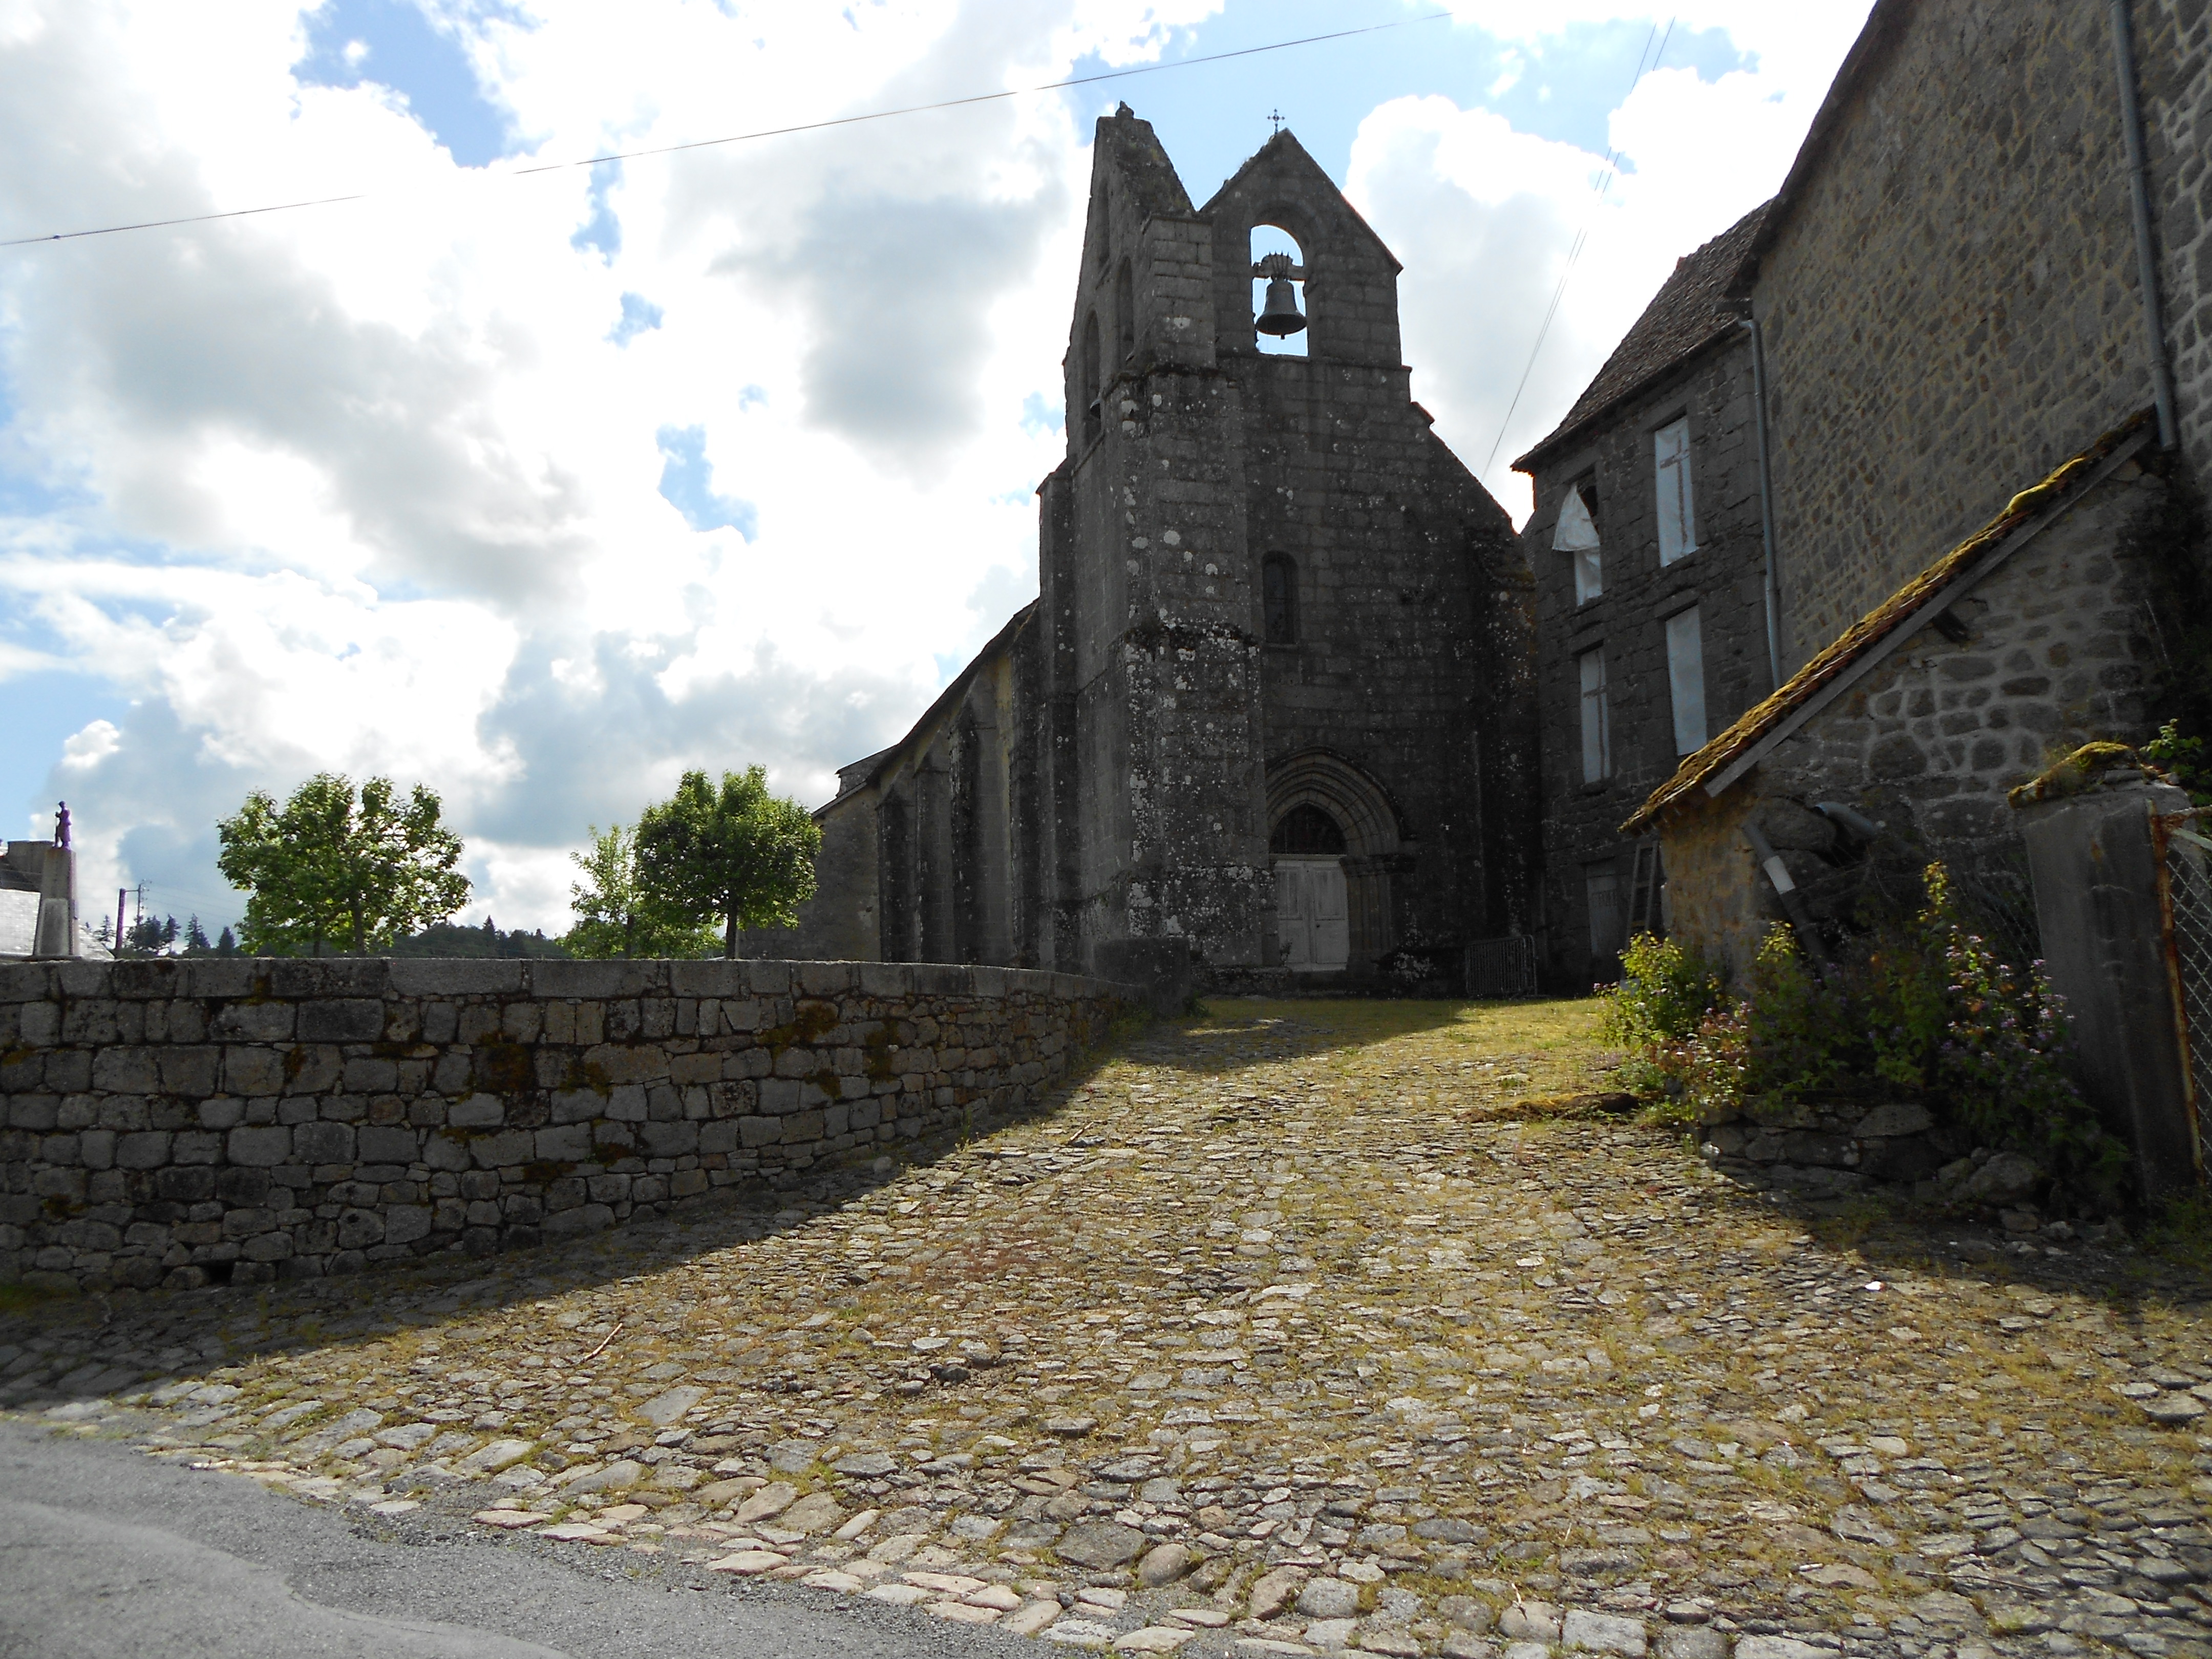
1858	640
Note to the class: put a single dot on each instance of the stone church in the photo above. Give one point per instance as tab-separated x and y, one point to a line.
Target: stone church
1271	713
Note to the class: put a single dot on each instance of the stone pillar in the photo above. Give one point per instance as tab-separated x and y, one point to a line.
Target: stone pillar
57	928
2096	904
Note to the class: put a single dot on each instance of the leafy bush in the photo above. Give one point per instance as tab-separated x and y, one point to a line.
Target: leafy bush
1665	990
1922	1008
1666	993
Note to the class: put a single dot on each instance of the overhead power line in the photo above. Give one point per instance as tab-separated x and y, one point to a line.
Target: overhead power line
748	138
1605	180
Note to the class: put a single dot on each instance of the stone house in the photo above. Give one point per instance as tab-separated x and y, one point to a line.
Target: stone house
1945	300
1897	743
1270	711
1948	283
1653	610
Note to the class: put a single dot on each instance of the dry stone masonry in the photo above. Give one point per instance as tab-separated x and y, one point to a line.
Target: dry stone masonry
1323	1335
180	1123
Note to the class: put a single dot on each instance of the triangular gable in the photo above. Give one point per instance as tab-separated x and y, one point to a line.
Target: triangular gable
1284	156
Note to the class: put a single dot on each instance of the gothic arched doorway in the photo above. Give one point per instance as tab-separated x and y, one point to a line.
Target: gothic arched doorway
1313	934
1335	835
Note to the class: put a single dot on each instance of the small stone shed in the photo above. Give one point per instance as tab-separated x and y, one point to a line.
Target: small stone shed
1896	744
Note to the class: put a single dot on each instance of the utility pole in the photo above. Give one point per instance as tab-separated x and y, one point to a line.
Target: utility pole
121	893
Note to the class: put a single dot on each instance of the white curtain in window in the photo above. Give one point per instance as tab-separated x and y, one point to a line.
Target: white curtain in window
1678	518
1686	679
1575	535
1597	718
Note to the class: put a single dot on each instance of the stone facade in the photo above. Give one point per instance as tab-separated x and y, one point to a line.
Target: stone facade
2051	648
2177	48
1100	790
235	1120
1947	281
1606	449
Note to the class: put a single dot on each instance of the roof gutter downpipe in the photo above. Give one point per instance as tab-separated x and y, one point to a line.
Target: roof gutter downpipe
2162	370
1766	503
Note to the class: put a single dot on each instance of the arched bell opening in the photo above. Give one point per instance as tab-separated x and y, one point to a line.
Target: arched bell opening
1279	290
1335	838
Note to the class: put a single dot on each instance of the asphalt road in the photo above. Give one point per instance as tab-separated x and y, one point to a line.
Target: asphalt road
108	1554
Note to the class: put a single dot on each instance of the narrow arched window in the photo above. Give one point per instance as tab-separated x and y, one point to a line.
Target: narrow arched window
1125	311
1092	414
1279	599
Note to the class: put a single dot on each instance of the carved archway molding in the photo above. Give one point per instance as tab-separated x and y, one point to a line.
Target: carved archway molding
1376	837
1373	826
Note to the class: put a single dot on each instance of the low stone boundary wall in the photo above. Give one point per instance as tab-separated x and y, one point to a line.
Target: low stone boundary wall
1829	1151
184	1122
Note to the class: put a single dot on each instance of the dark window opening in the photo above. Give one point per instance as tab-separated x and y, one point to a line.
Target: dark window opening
1125	311
1279	594
1306	829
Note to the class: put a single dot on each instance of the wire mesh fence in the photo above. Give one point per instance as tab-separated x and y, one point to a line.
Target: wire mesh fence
2186	904
1996	894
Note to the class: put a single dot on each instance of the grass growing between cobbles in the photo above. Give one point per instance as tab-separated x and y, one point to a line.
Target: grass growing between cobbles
1374	1295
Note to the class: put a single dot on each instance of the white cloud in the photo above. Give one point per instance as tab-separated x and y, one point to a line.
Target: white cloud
371	488
1485	218
82	751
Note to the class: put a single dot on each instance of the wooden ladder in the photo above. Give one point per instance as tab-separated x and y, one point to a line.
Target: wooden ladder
1643	882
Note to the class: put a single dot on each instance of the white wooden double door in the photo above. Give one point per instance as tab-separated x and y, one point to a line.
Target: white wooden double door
1310	923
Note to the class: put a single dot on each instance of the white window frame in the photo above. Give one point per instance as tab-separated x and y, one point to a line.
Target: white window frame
1677	497
1596	715
1686	679
1575	535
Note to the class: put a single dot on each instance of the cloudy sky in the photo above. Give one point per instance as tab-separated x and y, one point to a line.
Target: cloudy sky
541	488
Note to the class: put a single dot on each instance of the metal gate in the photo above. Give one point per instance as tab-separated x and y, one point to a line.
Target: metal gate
2184	906
1502	967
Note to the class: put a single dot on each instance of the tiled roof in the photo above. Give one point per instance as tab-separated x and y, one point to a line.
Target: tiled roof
1683	318
1864	635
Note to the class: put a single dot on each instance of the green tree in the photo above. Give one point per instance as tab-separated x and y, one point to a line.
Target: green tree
196	939
736	852
328	867
615	916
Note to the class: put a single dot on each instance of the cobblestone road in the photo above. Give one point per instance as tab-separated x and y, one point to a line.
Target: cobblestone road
1295	1329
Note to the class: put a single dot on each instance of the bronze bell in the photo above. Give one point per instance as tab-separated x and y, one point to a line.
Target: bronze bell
1279	315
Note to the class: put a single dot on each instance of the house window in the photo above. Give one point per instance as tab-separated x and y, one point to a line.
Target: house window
1576	536
1678	517
1686	679
1608	927
1597	718
1279	599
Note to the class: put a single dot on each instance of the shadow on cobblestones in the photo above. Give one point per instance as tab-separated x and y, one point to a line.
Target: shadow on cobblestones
1302	1325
